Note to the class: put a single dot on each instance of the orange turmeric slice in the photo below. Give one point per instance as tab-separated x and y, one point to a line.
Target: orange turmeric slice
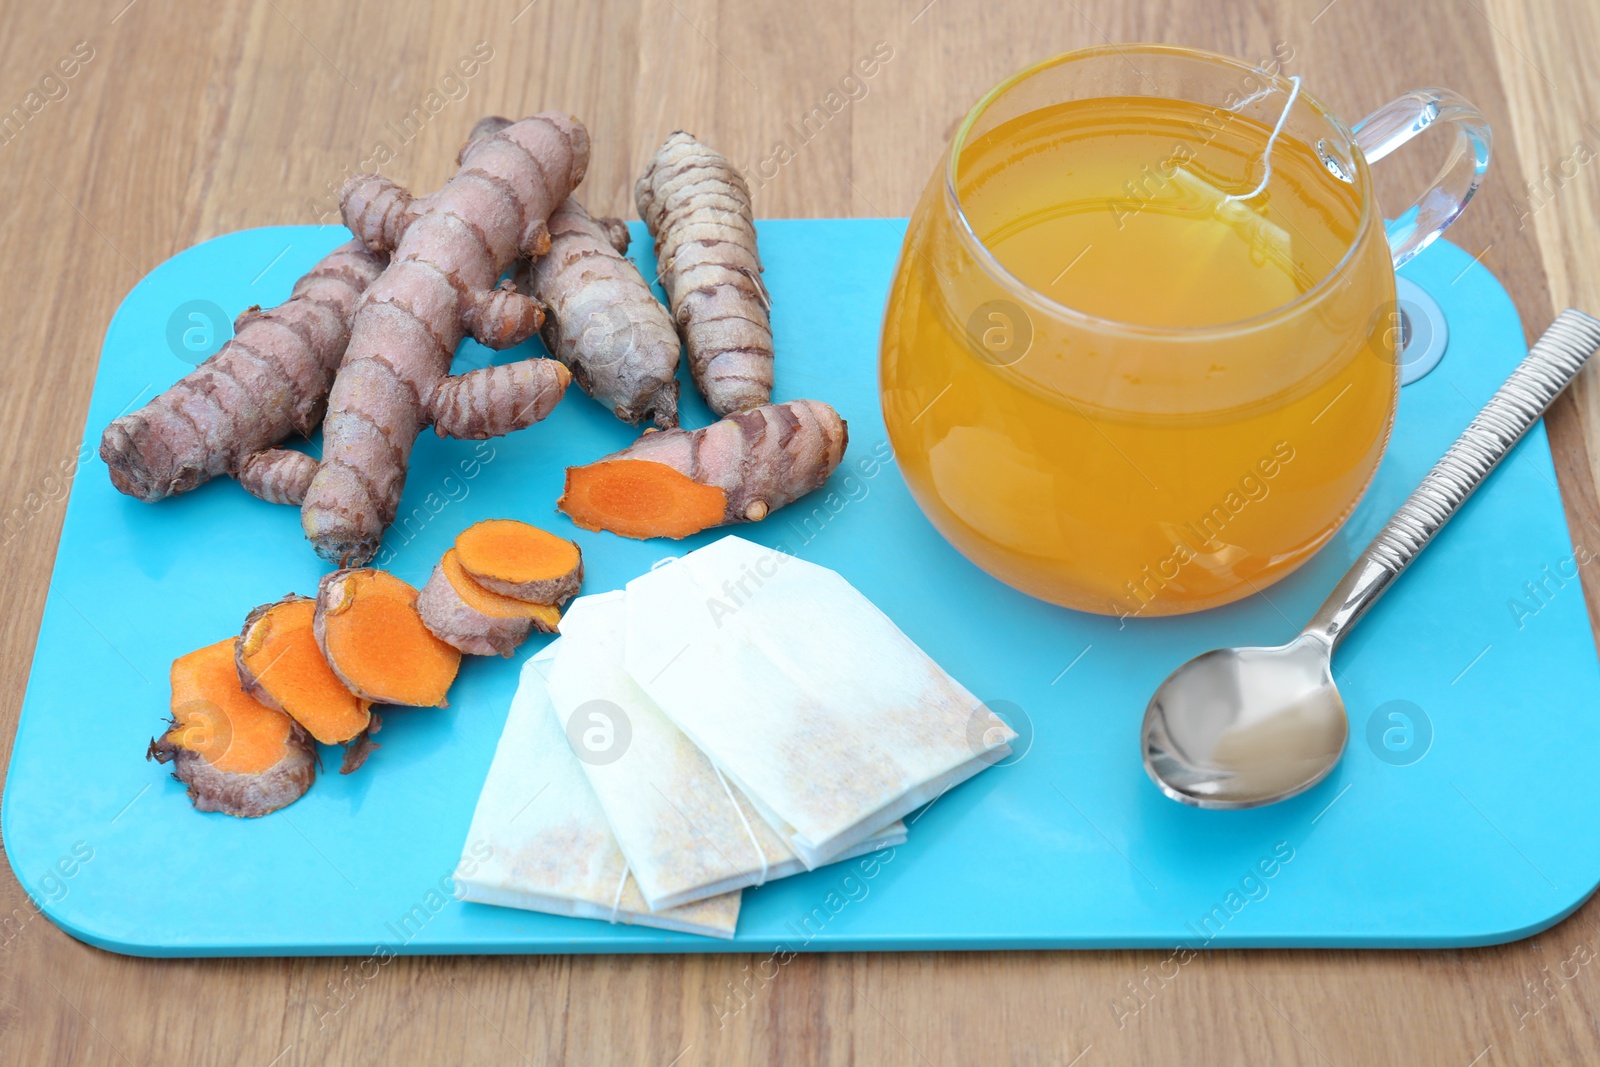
367	626
479	621
519	560
641	498
496	605
235	754
282	667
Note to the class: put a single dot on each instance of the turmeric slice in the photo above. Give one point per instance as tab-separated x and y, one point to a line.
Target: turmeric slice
366	624
235	754
641	498
281	666
479	621
673	483
521	561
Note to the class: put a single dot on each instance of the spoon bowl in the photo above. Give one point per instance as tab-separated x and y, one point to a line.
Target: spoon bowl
1239	727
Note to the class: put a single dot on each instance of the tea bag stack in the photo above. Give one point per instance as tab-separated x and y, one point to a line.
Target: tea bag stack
760	717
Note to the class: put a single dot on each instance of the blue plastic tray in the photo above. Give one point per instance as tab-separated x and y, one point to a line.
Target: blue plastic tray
1486	837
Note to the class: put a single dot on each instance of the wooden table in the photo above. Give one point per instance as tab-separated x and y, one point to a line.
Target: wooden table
183	120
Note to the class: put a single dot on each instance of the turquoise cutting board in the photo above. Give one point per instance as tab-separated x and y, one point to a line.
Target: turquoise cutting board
1459	816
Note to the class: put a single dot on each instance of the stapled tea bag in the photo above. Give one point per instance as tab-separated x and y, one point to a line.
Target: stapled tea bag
549	846
805	695
686	830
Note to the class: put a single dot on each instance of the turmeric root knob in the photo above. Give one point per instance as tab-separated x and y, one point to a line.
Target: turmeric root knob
366	624
478	621
235	754
278	475
281	666
522	561
494	401
672	483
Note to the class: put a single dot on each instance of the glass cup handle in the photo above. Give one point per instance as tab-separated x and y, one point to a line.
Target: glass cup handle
1401	119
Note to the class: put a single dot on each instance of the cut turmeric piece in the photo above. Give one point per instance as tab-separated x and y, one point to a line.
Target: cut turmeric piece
672	483
366	624
641	498
479	621
521	561
281	666
496	605
235	754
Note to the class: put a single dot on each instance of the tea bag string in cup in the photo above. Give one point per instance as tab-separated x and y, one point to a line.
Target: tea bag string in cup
1269	244
1272	140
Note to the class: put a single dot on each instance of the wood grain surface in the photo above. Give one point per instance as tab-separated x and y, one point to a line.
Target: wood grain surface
192	119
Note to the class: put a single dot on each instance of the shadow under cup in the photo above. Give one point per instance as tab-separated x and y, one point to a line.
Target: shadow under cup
1127	465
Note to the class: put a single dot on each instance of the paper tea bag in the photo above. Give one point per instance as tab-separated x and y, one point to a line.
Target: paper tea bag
805	695
1218	218
550	847
687	832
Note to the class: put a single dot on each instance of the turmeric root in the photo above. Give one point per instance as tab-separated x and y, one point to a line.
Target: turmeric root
673	483
698	209
269	381
235	754
521	561
604	322
448	252
281	666
366	624
466	616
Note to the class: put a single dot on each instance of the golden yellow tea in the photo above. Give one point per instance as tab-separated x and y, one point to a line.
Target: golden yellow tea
1144	432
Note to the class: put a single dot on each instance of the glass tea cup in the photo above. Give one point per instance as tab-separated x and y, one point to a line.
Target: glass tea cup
1140	353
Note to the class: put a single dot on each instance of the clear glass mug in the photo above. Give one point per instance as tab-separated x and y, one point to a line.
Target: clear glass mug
1139	469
